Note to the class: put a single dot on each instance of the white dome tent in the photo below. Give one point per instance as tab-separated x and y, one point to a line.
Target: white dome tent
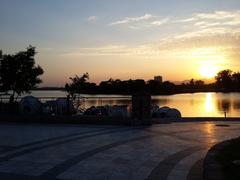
162	112
166	112
30	105
173	113
118	111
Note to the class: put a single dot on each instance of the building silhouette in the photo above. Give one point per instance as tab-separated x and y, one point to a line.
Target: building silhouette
158	78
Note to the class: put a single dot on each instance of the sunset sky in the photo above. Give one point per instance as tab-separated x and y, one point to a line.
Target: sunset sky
178	39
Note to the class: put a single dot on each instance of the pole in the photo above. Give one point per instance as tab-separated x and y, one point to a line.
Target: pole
225	115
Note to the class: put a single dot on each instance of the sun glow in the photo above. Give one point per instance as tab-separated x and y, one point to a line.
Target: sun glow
208	71
209	61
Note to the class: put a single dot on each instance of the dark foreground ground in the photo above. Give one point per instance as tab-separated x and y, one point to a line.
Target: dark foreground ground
101	120
63	151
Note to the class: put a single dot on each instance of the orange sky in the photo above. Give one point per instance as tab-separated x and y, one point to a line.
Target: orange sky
177	39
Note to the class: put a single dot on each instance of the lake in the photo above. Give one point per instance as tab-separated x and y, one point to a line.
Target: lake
190	105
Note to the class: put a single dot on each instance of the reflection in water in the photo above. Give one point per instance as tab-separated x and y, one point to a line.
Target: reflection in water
209	103
236	105
160	102
103	102
224	105
119	101
190	105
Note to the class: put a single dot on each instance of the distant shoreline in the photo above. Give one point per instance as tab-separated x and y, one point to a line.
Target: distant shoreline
49	89
185	91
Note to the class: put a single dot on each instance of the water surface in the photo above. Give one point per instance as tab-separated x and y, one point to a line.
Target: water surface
190	105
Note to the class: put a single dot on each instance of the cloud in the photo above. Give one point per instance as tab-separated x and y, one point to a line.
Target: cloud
141	22
216	19
186	20
213	19
218	15
202	32
108	50
160	22
196	44
132	19
92	18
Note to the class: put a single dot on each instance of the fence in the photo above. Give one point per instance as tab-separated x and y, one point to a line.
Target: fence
83	102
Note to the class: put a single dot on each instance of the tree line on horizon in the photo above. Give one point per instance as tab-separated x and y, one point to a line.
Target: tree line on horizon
19	74
225	81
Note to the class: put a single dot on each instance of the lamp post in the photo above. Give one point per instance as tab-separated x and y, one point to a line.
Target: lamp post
225	114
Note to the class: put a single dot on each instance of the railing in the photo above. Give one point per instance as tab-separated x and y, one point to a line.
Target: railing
79	101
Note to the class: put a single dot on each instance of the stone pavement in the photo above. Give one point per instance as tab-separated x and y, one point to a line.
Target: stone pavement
164	151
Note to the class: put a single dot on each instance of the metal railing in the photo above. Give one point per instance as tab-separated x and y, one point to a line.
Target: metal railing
79	101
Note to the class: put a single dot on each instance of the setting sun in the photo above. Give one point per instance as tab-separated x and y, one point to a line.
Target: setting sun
88	86
208	71
209	61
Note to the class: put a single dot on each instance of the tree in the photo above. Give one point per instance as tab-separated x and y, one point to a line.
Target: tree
154	87
224	79
236	80
191	82
78	84
199	83
18	72
168	87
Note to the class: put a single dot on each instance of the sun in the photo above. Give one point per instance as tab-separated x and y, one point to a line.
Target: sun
208	71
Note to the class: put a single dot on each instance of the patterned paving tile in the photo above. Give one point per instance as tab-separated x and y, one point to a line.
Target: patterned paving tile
168	151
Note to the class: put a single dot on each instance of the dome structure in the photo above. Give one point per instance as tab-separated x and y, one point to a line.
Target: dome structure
154	109
30	105
118	111
166	112
173	113
162	112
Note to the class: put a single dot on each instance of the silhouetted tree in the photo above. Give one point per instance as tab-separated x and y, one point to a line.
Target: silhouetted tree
18	72
79	85
168	87
236	80
106	86
191	82
154	87
137	85
224	79
199	83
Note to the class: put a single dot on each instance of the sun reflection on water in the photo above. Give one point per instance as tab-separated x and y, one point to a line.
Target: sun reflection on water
209	106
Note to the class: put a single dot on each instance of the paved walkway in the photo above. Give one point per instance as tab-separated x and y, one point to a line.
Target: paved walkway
166	151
